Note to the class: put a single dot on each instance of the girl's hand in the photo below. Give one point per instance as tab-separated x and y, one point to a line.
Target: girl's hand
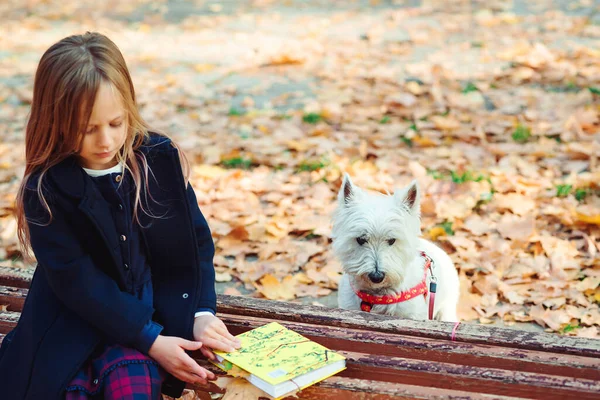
211	331
169	352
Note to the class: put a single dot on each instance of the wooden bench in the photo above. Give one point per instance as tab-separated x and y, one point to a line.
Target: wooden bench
390	358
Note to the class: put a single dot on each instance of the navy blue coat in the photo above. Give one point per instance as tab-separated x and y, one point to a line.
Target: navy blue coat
77	296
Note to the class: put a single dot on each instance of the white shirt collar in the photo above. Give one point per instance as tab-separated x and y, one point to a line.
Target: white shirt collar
100	172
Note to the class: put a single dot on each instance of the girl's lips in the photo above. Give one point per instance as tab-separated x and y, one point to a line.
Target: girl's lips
104	155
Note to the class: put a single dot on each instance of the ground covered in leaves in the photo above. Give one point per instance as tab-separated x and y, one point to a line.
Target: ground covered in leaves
492	105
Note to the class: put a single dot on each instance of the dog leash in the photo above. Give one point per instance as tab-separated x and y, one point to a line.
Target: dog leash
432	284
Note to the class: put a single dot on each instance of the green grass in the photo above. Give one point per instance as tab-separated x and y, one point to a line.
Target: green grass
447	227
312	118
466	176
563	190
594	90
581	194
385	120
456	177
521	134
469	87
307	165
569	328
237	162
235	112
407	141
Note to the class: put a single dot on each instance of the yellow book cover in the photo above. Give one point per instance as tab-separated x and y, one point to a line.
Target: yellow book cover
280	360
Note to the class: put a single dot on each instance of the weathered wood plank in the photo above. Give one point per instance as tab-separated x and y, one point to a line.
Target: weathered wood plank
13	297
345	388
16	277
471	333
382	344
460	377
21	277
340	387
8	320
477	355
395	370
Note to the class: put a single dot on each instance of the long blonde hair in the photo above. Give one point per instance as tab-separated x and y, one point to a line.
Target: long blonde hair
66	82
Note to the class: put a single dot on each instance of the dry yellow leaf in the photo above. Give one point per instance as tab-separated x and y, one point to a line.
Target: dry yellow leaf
590	219
445	123
273	289
203	67
436	232
241	389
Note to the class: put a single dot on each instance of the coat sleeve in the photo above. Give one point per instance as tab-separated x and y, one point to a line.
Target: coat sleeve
75	279
206	249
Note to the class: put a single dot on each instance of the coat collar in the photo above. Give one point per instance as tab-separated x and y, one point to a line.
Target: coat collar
71	179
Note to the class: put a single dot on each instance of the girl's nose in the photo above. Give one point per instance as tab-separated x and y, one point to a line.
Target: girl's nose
103	137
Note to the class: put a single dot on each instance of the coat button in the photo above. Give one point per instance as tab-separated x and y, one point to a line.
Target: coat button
126	266
120	207
123	238
185	295
118	178
95	381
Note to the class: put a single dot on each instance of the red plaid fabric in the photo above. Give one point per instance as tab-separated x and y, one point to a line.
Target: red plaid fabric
117	372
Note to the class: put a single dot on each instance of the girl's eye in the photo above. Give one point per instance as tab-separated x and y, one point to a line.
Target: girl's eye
89	131
361	240
118	124
391	241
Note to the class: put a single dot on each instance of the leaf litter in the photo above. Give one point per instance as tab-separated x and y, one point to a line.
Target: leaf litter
499	125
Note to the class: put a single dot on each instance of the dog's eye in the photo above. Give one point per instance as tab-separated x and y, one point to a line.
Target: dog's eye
391	241
361	240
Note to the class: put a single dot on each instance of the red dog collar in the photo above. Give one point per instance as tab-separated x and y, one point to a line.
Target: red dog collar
368	300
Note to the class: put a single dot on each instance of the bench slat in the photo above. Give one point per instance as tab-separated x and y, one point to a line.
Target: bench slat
386	344
16	277
13	297
444	376
402	358
471	333
339	387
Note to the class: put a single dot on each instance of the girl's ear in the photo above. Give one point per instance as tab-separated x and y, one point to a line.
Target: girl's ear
347	191
409	197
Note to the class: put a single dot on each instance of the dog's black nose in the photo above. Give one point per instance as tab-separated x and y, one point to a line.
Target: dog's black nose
376	276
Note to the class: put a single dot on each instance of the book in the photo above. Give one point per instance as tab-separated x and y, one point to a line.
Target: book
278	360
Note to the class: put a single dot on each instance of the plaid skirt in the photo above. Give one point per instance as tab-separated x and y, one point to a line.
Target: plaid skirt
117	372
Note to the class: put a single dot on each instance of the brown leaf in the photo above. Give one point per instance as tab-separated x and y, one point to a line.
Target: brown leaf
516	228
517	203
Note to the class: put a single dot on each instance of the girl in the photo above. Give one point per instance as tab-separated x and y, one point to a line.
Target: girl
124	287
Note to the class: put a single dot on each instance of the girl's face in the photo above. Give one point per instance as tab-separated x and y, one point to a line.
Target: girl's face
106	131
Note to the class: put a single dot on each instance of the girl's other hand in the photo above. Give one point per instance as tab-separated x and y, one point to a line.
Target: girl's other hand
169	352
211	331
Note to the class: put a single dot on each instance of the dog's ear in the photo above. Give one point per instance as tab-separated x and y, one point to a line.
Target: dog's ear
347	191
410	197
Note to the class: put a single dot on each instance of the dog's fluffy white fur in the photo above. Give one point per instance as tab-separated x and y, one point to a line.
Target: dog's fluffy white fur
377	239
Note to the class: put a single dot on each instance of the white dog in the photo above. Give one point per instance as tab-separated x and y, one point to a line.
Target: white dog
387	267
